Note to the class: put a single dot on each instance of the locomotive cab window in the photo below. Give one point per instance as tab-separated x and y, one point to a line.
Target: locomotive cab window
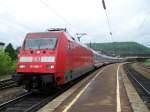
40	43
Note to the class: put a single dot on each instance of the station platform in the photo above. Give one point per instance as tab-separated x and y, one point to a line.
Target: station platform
100	94
104	92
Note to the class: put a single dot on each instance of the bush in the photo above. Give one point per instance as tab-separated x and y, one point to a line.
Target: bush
11	51
7	66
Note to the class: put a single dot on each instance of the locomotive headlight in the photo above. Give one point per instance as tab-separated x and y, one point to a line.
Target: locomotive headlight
50	66
22	66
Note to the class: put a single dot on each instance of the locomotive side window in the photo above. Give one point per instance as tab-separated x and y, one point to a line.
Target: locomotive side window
69	45
40	43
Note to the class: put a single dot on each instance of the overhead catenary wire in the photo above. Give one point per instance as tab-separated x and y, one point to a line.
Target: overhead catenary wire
65	21
58	15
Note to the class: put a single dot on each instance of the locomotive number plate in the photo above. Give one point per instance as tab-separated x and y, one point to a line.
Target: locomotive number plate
36	59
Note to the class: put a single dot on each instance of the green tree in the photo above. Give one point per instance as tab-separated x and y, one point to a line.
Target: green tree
7	66
11	51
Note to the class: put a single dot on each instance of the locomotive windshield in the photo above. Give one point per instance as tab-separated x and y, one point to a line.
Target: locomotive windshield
40	43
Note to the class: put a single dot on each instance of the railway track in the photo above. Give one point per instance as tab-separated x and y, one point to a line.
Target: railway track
7	84
31	102
141	84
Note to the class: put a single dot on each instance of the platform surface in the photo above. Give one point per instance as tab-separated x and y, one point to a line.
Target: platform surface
100	94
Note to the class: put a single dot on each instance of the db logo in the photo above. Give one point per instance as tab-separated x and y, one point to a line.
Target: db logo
36	59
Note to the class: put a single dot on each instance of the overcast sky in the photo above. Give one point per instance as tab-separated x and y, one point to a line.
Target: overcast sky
129	19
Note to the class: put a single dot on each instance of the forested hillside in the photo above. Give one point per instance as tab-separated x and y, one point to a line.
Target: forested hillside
121	48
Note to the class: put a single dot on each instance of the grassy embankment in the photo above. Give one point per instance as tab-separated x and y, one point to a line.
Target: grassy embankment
147	62
139	67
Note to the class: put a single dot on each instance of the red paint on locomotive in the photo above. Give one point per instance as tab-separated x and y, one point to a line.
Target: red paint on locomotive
64	62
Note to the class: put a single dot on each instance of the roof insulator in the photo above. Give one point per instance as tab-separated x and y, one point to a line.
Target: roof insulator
58	29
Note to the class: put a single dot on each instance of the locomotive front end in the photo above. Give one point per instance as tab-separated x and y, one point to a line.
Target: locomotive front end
37	61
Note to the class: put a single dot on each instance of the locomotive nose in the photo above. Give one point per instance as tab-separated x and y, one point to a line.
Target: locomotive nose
36	63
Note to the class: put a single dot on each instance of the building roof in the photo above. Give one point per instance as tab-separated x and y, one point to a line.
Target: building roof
1	43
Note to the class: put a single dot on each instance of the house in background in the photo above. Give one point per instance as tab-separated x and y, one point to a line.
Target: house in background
2	45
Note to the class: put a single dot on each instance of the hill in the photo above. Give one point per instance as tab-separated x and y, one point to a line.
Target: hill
121	48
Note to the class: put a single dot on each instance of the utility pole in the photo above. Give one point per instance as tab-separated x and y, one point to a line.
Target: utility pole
109	25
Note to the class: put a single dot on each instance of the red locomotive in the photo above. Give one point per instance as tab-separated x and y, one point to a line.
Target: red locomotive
53	58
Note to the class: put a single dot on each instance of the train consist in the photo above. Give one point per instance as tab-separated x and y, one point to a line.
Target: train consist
54	58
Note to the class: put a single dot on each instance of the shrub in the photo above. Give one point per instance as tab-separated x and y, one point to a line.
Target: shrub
11	51
7	66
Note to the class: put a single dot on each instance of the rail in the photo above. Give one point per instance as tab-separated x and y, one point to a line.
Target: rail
7	84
